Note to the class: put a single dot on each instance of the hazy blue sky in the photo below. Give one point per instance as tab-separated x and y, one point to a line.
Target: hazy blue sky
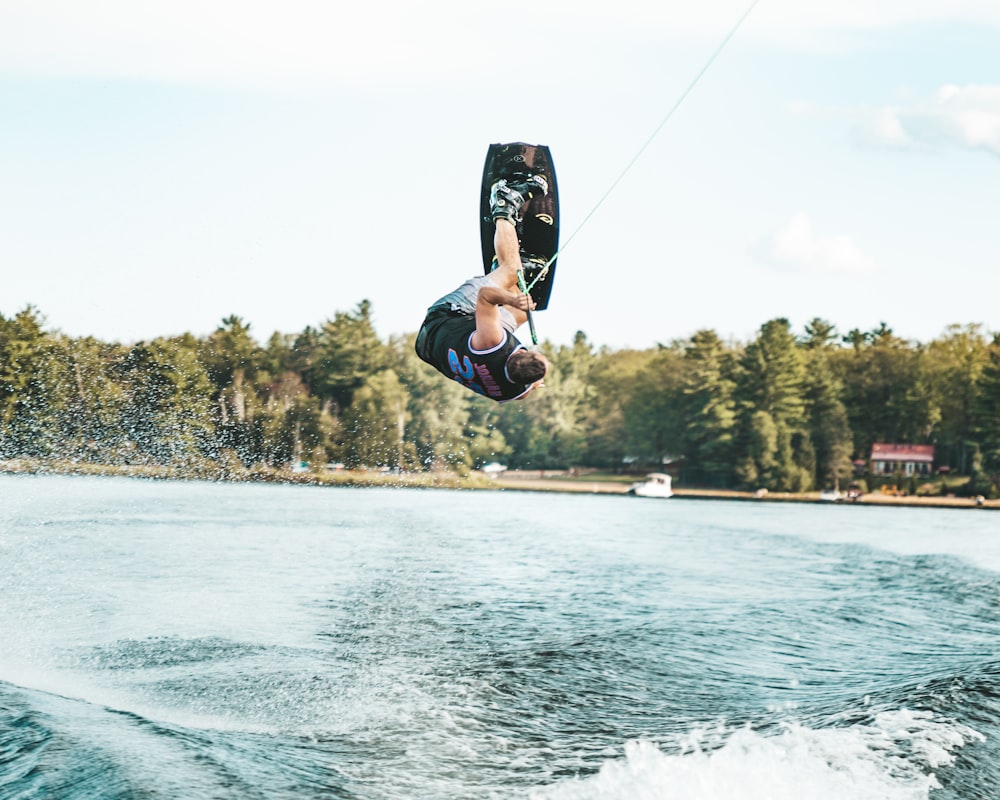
163	165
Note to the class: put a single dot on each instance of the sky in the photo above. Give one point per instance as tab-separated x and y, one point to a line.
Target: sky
166	165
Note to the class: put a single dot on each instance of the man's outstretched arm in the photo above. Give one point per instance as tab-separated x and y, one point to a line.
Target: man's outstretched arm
489	332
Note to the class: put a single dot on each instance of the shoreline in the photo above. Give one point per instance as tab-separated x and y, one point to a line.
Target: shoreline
581	485
528	481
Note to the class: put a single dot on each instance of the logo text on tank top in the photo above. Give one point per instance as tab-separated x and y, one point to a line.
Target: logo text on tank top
465	372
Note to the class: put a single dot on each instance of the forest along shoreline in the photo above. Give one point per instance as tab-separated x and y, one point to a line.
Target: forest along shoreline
513	480
784	410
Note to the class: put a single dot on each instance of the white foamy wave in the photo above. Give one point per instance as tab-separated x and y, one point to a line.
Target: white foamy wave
893	758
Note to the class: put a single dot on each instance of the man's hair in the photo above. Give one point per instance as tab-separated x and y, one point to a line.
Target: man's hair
526	366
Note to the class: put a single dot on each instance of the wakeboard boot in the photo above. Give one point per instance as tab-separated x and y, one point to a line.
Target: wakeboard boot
508	196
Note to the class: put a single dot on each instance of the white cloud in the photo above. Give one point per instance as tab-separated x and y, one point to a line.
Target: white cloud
887	128
796	247
304	42
252	43
823	25
964	116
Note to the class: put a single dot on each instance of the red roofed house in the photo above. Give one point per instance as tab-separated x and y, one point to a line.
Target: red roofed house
910	459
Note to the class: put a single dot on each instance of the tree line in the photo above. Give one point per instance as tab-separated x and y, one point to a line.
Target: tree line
785	411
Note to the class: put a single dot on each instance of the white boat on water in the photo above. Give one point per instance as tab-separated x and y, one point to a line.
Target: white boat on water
656	485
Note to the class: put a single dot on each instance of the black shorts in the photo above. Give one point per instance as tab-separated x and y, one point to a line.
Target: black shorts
442	325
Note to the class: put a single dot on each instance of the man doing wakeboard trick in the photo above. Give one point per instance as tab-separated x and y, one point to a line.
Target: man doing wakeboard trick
468	334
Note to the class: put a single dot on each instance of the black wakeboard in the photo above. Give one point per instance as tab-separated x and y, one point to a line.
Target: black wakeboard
539	229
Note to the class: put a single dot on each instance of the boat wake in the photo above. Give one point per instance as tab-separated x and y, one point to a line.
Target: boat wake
894	757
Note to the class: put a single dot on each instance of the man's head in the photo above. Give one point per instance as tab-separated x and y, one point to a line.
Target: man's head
527	366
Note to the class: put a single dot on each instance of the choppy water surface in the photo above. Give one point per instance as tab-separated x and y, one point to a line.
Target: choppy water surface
205	640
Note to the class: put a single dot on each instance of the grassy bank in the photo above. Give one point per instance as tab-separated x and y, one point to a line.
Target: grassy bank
210	471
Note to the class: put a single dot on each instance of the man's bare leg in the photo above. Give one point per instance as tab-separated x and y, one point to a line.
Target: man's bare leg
508	251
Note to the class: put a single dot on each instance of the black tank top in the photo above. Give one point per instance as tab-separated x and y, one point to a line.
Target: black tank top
483	371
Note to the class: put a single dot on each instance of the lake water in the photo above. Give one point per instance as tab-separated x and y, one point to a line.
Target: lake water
199	640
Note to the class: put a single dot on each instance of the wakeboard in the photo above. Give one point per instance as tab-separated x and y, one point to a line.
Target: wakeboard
539	229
